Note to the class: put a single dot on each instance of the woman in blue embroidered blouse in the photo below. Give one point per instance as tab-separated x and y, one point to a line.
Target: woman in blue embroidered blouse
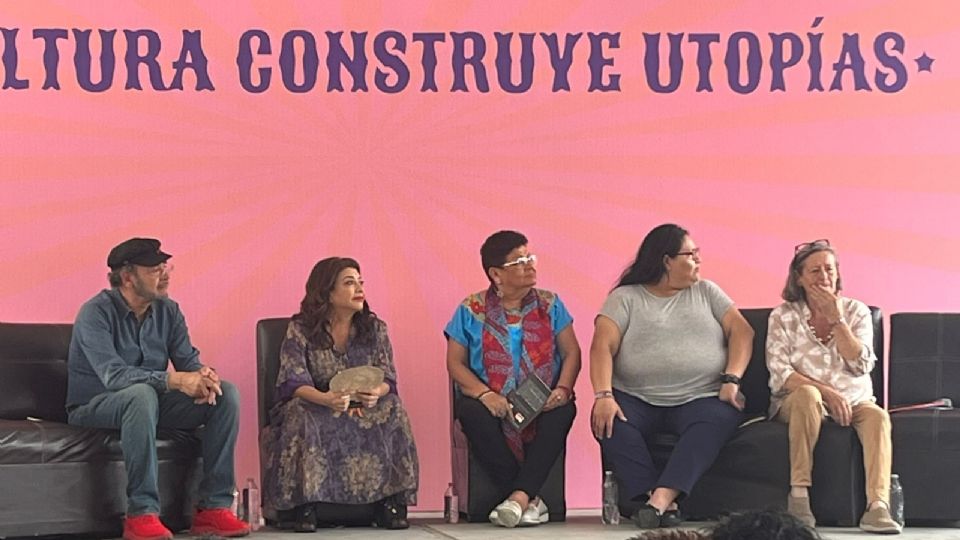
497	339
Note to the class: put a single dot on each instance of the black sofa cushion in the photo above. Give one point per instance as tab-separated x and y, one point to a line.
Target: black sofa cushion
62	479
27	441
33	371
924	357
924	366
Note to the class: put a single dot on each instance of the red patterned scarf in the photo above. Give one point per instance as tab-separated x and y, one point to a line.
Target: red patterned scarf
536	355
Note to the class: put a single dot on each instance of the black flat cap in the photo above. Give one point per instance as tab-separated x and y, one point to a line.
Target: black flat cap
139	251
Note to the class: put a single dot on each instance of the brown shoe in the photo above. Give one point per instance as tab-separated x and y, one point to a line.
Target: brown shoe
878	520
799	507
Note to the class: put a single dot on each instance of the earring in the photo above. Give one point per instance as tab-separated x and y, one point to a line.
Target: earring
497	287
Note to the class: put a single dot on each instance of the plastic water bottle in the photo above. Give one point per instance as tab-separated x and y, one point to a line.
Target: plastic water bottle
451	505
251	504
611	508
896	499
243	505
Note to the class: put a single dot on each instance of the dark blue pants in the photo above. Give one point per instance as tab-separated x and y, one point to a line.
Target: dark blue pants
702	425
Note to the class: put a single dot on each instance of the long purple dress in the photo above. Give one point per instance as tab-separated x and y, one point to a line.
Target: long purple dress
313	454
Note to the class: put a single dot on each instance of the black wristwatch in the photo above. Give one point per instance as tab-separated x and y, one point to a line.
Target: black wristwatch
729	378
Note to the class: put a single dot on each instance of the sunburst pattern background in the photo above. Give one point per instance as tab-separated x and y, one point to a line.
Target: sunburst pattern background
248	191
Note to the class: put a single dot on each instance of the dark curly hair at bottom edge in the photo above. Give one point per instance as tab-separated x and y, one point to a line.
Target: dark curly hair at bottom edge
768	524
673	534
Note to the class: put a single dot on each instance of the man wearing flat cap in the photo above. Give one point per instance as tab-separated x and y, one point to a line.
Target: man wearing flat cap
122	342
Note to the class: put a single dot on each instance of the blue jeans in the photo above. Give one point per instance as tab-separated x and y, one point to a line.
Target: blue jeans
138	410
702	425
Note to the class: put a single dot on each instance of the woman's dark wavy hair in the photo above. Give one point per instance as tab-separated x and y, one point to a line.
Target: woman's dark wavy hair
315	308
792	291
497	246
648	267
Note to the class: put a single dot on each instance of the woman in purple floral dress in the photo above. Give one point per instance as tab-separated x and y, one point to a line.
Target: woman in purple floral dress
317	448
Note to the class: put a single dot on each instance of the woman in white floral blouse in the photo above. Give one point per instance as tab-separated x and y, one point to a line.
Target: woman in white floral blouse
819	355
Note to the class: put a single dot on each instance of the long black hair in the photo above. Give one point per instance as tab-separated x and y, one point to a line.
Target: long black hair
315	308
648	267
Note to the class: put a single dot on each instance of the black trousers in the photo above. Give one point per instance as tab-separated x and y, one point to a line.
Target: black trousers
489	446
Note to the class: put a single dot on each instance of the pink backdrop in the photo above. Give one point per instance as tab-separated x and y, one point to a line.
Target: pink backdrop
249	190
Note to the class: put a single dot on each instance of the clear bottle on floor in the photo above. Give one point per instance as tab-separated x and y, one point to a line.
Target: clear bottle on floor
611	509
451	505
896	499
251	504
243	504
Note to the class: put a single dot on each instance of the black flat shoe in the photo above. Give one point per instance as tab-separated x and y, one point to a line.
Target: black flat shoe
392	514
306	520
646	517
671	518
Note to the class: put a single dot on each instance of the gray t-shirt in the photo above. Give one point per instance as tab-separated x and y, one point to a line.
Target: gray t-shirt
672	349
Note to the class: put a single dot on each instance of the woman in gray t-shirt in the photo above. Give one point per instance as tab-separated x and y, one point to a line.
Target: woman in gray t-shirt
667	355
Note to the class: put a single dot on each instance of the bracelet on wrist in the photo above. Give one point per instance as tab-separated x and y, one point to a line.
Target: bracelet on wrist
729	378
603	394
485	392
566	389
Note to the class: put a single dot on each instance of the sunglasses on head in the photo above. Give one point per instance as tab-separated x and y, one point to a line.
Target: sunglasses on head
823	242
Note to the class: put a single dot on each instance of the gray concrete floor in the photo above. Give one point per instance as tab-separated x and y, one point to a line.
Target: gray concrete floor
581	525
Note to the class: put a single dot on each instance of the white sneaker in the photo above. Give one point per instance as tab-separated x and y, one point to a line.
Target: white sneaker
535	514
494	517
508	513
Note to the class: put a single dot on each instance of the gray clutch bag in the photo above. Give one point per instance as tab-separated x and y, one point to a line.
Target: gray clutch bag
527	400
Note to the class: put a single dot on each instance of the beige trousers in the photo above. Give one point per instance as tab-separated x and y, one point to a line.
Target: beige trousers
803	411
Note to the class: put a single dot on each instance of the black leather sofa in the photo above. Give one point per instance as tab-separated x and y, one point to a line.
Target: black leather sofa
924	366
753	468
60	479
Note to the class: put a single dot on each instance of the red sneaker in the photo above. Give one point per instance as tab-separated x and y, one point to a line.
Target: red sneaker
145	527
218	522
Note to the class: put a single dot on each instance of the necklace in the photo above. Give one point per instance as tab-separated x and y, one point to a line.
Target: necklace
825	339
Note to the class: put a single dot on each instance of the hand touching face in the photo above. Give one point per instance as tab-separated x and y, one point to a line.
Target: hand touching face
818	277
819	273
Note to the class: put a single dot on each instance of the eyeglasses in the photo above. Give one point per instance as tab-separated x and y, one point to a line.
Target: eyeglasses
525	260
695	253
823	242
